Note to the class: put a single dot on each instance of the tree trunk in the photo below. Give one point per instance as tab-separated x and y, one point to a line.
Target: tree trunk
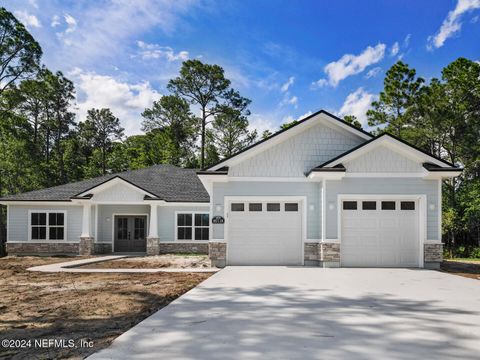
202	161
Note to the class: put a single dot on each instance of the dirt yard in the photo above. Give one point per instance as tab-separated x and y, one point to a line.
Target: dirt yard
93	308
154	262
470	269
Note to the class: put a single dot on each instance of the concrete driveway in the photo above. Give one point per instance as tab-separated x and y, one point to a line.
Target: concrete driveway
313	313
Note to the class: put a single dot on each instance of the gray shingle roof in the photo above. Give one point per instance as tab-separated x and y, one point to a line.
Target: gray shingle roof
167	182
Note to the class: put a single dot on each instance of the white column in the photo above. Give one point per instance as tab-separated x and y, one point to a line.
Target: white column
324	214
153	229
86	219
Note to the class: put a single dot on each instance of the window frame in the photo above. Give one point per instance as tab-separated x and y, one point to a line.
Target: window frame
47	225
193	226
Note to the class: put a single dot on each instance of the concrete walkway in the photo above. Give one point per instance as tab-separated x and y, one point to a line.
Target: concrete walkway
313	313
72	267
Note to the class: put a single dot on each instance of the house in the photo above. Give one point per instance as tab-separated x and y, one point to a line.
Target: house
321	192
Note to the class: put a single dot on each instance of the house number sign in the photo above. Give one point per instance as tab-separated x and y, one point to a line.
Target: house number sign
218	220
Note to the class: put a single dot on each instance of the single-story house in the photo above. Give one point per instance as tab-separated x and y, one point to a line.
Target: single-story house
321	192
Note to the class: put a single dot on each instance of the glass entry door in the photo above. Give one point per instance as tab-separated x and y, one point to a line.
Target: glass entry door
130	233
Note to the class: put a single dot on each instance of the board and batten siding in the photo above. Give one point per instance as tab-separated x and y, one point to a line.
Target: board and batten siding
18	221
166	219
382	186
298	154
250	188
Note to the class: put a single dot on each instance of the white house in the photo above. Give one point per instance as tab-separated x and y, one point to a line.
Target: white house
321	192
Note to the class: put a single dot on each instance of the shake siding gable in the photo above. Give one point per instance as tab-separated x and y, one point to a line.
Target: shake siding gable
298	154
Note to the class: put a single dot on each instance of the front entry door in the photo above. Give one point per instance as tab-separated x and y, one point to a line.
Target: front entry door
130	233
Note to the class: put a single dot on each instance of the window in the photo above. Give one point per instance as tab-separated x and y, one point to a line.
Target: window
255	207
273	207
47	225
388	205
193	226
238	207
407	205
369	205
291	207
349	205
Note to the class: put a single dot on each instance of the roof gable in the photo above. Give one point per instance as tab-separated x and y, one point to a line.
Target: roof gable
320	117
393	143
116	189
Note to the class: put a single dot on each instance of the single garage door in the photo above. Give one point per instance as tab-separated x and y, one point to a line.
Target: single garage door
264	233
380	233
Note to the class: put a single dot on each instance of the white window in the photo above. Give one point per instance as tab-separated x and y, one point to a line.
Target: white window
192	226
47	225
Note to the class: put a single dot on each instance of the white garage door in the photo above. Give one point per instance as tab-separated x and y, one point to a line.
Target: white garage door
264	233
380	233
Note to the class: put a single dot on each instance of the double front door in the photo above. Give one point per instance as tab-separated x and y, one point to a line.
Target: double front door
130	233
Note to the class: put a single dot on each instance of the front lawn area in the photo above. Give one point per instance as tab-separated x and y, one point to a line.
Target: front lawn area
463	267
76	306
154	262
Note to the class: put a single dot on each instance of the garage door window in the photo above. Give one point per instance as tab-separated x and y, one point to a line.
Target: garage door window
407	205
238	207
255	207
291	207
273	207
369	205
192	226
349	205
388	205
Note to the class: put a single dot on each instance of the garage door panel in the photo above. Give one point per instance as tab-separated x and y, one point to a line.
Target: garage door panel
382	238
265	238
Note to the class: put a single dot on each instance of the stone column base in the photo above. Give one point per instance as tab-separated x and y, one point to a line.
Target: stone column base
153	246
432	255
86	246
311	254
329	254
217	252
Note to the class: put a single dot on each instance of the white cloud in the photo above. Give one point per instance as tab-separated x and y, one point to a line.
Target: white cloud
373	72
394	49
261	123
406	41
55	21
452	23
106	30
33	3
474	19
71	23
155	51
357	103
29	20
127	101
350	64
289	83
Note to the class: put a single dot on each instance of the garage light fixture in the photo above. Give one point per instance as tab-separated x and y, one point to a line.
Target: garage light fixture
311	207
218	207
432	206
331	206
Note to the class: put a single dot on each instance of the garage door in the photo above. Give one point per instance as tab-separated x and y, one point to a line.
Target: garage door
264	233
380	233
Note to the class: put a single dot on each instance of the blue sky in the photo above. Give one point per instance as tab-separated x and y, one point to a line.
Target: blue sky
290	58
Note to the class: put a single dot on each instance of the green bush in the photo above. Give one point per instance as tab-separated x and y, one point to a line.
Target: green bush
475	253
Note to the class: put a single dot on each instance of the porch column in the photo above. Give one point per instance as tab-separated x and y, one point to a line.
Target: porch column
153	245
86	246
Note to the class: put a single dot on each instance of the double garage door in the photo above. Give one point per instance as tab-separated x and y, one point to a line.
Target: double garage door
264	233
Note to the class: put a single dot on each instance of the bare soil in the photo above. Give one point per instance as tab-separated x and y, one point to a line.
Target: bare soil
470	269
74	306
154	262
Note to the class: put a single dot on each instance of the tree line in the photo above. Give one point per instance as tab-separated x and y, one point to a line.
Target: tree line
203	119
